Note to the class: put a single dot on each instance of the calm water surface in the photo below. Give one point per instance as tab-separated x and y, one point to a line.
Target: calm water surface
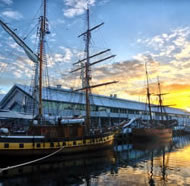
166	163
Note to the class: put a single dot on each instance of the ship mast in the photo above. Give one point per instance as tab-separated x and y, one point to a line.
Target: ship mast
37	59
160	99
87	73
148	93
41	57
86	64
162	107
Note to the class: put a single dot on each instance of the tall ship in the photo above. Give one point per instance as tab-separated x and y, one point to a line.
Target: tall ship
154	129
67	135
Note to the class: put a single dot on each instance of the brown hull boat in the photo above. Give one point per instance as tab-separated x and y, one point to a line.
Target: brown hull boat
152	133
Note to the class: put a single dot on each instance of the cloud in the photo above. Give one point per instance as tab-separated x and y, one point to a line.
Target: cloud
2	57
56	62
59	57
67	54
61	21
175	38
19	70
8	2
2	66
76	7
12	14
103	2
126	72
168	56
15	46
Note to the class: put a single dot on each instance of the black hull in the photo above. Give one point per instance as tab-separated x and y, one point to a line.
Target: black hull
40	147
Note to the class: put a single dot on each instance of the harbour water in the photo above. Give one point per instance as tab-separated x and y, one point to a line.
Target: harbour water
163	163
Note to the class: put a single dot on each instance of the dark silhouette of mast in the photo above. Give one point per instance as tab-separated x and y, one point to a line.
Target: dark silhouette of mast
161	106
163	165
151	179
148	94
160	100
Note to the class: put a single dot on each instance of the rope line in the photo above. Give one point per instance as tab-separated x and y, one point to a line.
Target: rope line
30	162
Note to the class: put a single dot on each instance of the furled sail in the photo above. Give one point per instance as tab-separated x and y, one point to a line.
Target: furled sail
19	41
32	56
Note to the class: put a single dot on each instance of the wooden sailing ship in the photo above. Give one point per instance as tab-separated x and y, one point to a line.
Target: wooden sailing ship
154	130
70	135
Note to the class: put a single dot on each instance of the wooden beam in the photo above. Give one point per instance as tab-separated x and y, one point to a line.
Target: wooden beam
160	94
101	60
98	85
163	105
94	63
89	30
91	56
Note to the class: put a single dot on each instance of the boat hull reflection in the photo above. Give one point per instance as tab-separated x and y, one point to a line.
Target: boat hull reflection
64	169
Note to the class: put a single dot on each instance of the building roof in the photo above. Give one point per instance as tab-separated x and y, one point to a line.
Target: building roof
7	114
70	96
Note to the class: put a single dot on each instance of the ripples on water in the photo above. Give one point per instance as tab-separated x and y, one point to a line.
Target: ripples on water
166	163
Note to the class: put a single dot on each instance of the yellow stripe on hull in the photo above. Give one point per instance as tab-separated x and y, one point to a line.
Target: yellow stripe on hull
38	148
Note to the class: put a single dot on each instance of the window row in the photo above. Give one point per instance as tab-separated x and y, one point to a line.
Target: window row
71	106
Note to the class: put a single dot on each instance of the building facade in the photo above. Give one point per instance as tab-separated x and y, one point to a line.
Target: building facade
105	110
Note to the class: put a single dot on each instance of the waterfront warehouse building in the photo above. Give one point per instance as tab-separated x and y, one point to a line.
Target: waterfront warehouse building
107	110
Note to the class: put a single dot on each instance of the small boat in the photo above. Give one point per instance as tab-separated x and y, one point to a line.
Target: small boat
67	136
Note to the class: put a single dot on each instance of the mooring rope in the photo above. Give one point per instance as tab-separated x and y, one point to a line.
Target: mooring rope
30	162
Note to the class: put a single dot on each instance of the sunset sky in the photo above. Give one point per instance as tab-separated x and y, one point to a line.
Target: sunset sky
137	31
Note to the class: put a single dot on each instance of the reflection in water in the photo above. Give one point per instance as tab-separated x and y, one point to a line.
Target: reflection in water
61	170
162	162
165	163
154	163
151	180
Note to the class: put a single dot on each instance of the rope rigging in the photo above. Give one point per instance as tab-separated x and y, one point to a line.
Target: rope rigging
31	162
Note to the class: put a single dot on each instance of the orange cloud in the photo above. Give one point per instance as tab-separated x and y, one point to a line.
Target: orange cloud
132	82
169	59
